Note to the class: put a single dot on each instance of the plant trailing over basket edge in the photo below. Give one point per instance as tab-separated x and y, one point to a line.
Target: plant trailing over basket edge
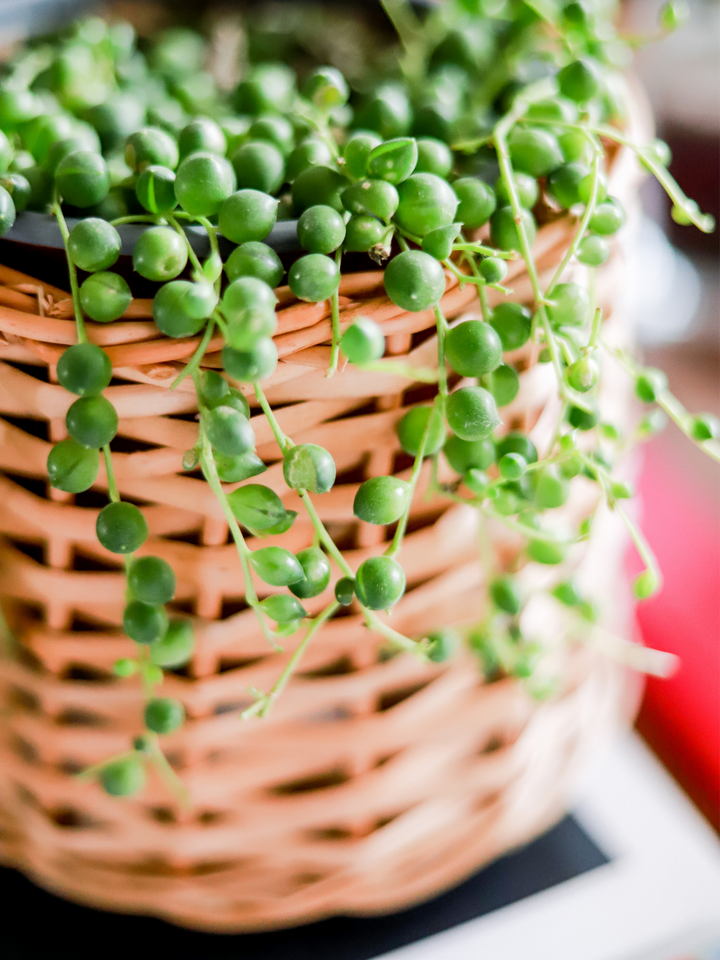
402	176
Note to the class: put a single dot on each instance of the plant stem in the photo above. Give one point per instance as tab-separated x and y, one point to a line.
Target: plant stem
336	332
325	538
642	546
441	325
667	402
166	772
136	218
462	277
409	31
438	409
655	663
113	491
212	234
584	220
87	773
482	291
399	639
264	704
283	441
193	364
191	253
157	757
397	539
72	271
207	462
596	326
321	531
508	176
531	532
703	221
679	415
486	251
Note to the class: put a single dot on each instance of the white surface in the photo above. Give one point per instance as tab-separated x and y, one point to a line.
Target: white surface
662	288
657	898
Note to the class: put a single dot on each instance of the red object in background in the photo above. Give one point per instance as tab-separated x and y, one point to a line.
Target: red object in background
680	716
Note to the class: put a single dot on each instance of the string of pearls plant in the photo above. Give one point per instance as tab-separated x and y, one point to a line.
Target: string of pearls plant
495	108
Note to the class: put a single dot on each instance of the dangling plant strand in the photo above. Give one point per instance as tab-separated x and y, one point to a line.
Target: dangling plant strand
371	189
116	533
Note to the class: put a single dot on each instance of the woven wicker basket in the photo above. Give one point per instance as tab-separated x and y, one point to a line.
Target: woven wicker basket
377	780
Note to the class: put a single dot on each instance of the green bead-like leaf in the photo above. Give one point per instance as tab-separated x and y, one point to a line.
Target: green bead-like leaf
316	567
277	566
646	584
443	643
309	467
543	551
121	778
381	500
164	714
439	243
257	507
229	431
393	160
71	467
505	595
283	608
552	490
236	469
279	528
175	647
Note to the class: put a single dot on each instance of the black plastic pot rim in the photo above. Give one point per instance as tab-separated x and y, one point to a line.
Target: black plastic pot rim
42	230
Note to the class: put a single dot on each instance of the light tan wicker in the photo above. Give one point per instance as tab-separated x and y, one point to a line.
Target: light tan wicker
377	780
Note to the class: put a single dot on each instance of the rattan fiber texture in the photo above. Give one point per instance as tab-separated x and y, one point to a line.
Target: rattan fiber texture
377	780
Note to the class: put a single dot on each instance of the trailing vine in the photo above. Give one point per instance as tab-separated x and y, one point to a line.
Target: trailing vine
439	171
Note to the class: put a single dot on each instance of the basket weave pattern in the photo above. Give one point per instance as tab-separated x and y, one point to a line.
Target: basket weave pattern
377	779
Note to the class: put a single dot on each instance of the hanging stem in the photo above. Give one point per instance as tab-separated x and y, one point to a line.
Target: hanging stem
486	251
264	703
642	546
212	234
192	256
441	326
207	461
399	639
703	221
136	218
110	471
335	314
283	441
667	402
596	326
584	220
325	538
507	173
482	291
171	780
193	364
397	539
72	271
